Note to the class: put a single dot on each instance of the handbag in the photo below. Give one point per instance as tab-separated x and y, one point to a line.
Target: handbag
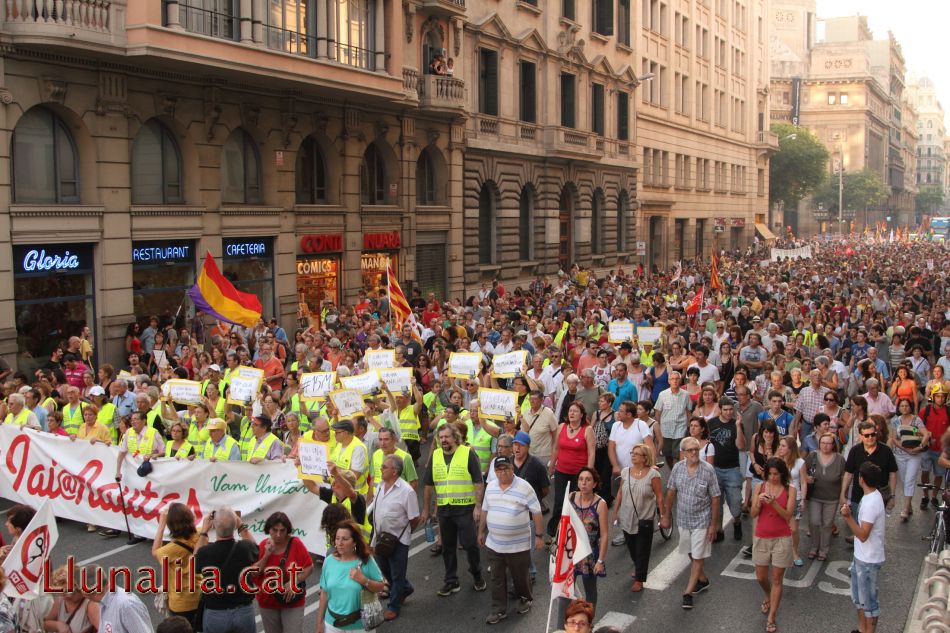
642	524
299	595
160	602
202	603
370	611
386	542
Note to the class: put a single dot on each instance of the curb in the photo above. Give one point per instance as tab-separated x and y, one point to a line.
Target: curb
929	609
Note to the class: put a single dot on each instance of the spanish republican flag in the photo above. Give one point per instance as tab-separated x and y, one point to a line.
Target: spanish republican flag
215	295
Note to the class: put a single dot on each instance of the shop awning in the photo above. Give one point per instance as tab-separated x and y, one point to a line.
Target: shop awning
764	231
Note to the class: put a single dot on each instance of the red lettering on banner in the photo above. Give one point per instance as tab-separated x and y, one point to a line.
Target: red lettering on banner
321	243
382	241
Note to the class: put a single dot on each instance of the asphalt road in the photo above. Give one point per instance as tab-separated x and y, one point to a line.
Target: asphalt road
817	596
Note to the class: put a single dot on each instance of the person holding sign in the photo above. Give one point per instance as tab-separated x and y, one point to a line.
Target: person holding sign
265	445
221	447
350	454
408	410
342	491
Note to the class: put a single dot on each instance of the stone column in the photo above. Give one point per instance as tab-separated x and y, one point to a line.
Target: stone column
331	29
688	248
257	21
245	17
172	15
350	278
321	9
379	62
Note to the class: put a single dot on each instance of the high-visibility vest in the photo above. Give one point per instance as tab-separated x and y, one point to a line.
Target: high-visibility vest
141	444
433	404
152	417
198	437
221	453
20	419
297	406
365	527
261	449
453	485
481	444
247	438
219	408
72	420
106	417
409	423
378	463
181	452
342	458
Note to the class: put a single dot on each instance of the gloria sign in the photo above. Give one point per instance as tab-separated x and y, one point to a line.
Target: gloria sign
52	258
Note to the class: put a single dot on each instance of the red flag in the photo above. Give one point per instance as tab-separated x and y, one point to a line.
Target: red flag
695	303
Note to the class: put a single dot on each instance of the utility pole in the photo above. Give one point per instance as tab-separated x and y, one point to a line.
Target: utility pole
841	190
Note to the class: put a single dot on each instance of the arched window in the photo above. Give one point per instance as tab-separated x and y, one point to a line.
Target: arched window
486	226
425	179
45	160
311	174
373	177
525	226
156	166
597	223
240	170
622	221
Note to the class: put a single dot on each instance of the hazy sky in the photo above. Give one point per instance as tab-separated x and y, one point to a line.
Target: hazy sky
919	25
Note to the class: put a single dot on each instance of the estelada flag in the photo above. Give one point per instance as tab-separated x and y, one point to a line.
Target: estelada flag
695	303
714	281
26	562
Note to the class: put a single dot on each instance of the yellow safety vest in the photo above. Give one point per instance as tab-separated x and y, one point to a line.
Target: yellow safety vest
198	437
262	448
453	485
247	438
73	420
152	417
20	419
181	452
296	406
221	453
409	424
481	444
342	457
141	444
378	463
365	527
106	417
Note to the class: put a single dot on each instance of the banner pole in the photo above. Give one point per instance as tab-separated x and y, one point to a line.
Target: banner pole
132	538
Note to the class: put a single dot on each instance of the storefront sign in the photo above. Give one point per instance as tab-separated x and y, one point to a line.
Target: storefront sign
316	266
239	247
738	222
50	258
375	262
162	252
330	243
382	241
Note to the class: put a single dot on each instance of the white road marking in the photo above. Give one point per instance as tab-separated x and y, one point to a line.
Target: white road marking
310	591
622	621
105	554
669	569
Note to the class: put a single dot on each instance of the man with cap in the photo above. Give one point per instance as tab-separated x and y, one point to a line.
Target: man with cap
214	378
108	414
221	447
535	472
510	506
350	454
141	441
265	445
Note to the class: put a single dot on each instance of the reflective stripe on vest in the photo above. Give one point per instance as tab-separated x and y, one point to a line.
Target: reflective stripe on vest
141	444
378	464
181	452
303	418
453	485
106	417
220	453
247	438
21	418
365	526
342	458
481	444
198	437
409	423
262	448
72	421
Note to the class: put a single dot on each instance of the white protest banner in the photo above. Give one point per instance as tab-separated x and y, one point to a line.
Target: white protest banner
78	480
250	372
497	404
348	402
509	365
243	390
184	391
316	385
367	383
464	364
398	379
803	252
649	334
26	561
619	332
380	358
313	459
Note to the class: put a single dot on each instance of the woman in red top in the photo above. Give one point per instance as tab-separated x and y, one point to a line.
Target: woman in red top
773	504
282	551
573	450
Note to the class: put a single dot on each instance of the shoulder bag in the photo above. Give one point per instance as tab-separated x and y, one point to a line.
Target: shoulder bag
202	602
641	524
161	598
282	565
370	611
386	542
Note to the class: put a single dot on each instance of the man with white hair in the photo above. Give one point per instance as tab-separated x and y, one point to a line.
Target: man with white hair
18	414
878	401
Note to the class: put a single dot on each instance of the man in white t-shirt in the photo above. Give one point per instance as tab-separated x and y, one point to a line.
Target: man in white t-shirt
868	533
707	371
627	432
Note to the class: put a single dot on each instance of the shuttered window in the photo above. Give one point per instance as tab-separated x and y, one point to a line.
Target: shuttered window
529	92
603	18
597	109
430	269
568	100
623	116
488	82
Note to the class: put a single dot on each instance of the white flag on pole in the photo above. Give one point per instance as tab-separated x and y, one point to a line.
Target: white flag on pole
26	562
573	546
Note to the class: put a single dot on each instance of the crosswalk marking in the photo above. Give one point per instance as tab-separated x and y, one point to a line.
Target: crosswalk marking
669	569
622	621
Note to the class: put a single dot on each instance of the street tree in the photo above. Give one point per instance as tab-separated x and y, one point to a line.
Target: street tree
929	200
799	167
862	189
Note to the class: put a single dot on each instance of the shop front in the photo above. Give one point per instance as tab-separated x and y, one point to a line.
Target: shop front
318	271
54	298
248	263
162	272
380	251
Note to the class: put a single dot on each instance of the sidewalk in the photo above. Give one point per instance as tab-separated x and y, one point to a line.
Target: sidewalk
929	610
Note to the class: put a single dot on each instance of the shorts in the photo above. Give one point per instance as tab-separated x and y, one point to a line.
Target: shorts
864	587
776	552
695	543
928	463
671	448
744	464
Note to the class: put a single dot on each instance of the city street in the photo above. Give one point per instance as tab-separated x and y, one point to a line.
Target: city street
817	596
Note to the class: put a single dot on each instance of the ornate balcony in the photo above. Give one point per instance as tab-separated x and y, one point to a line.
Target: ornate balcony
438	92
448	8
70	23
570	142
767	140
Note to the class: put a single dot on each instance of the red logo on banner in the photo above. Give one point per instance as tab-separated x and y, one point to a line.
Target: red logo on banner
34	552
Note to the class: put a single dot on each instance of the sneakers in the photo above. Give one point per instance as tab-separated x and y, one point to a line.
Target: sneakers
687	601
747	551
525	606
701	586
720	536
480	584
495	618
108	532
448	589
618	540
923	503
737	531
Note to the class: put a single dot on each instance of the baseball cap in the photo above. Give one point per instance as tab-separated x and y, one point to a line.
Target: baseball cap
522	438
97	391
756	318
502	462
217	424
214	367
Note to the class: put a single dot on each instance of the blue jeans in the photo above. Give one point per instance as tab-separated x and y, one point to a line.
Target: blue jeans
730	482
237	620
864	587
394	569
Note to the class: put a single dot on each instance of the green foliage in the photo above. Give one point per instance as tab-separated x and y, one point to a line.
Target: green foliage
799	167
861	190
929	199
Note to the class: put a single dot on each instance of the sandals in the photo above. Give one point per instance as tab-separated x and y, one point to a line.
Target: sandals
770	627
766	606
812	554
822	557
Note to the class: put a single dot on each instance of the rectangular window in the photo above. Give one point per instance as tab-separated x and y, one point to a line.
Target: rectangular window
603	16
647	166
623	116
529	92
597	109
623	22
832	98
356	33
567	9
568	100
658	168
287	26
488	81
843	98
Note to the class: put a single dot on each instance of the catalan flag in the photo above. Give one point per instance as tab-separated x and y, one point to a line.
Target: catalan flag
714	281
398	304
213	294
